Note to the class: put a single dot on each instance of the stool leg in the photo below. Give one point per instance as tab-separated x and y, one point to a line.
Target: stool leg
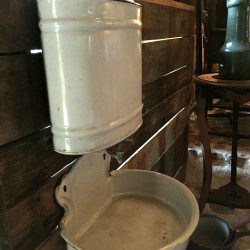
234	143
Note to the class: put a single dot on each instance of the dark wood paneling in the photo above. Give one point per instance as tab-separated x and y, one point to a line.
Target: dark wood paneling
191	2
160	58
156	21
182	23
155	92
153	121
166	164
164	22
4	232
174	160
181	154
18	26
26	164
172	4
23	97
160	143
32	220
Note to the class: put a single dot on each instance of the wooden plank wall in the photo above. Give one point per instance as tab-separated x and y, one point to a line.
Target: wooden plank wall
30	169
168	54
23	97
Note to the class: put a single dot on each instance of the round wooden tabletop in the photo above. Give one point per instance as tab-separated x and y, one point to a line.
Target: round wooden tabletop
212	80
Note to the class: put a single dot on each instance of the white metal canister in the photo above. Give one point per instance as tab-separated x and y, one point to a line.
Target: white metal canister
92	53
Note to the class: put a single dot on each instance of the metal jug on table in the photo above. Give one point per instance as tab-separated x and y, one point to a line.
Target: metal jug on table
234	56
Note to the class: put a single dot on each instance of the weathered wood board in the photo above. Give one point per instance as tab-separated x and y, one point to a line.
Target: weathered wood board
19	29
164	87
23	96
154	120
32	220
177	156
154	149
161	22
26	164
162	57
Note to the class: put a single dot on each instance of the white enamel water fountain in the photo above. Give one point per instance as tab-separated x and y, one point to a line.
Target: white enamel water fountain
92	57
92	54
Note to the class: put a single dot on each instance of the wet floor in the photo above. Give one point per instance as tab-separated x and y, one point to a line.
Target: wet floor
221	153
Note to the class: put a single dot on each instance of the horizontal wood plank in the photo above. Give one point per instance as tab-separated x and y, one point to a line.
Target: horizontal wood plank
53	242
191	2
23	96
150	153
19	29
181	154
163	22
160	58
171	3
155	92
173	162
152	122
182	23
156	21
26	164
35	217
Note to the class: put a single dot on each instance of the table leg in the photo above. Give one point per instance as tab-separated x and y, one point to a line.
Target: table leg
234	143
232	194
206	149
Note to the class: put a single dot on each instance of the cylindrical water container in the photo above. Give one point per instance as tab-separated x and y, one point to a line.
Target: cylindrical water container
234	56
92	53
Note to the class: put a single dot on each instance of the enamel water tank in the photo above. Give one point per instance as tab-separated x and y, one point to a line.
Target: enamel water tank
92	54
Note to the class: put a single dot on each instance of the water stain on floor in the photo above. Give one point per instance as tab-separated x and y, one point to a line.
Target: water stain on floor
221	155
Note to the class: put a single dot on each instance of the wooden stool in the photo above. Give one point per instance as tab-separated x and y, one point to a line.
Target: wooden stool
208	86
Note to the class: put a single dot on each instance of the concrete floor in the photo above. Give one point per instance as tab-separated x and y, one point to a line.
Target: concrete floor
221	152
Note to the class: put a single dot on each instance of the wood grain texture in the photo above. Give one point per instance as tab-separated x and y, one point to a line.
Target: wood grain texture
171	3
155	92
153	121
160	58
36	216
163	22
156	21
27	164
173	162
23	96
182	23
191	2
53	242
18	26
160	143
